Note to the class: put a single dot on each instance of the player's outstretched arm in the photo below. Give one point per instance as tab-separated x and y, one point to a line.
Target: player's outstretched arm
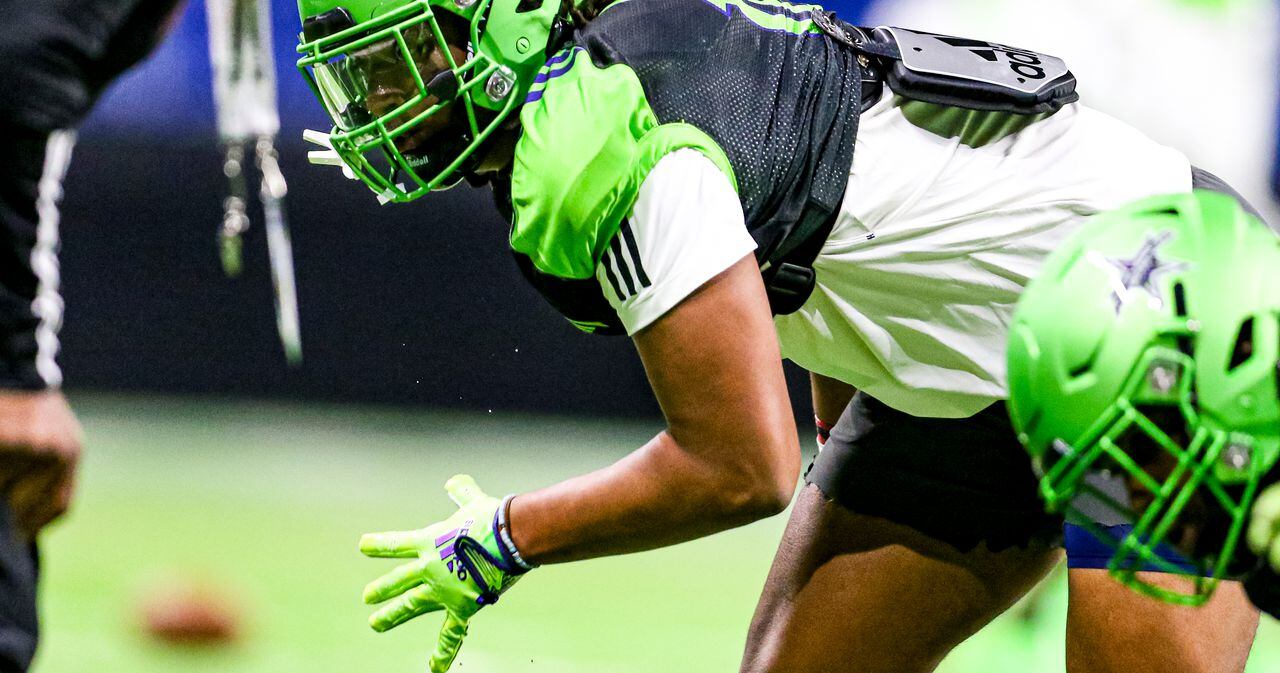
730	454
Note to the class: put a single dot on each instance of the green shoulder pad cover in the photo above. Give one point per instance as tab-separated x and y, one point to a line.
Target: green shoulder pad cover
589	139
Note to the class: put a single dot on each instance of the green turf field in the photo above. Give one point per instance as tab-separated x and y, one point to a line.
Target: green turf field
267	502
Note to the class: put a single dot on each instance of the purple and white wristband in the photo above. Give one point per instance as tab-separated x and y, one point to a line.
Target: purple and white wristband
505	544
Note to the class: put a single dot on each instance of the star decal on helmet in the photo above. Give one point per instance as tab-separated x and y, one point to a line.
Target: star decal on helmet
1139	273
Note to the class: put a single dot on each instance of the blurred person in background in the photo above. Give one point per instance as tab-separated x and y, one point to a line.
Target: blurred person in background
58	56
674	168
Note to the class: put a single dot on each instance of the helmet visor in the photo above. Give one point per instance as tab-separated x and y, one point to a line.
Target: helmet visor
343	88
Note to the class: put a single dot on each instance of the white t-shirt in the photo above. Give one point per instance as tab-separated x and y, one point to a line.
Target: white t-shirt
948	214
686	227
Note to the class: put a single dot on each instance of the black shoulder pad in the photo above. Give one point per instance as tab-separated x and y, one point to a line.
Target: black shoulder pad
580	301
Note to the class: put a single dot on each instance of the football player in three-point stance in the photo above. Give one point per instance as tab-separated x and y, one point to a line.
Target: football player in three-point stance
730	182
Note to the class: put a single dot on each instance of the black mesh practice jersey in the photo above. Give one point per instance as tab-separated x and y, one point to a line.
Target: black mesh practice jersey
755	84
778	95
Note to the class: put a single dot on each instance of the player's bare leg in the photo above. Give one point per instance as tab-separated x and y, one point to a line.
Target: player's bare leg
1112	629
857	593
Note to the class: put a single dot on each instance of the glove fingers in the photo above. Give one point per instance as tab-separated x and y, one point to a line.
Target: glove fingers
462	489
392	544
451	635
396	582
1264	521
418	601
1268	504
1260	532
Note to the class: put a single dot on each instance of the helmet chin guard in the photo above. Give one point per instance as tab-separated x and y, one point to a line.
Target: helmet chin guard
1194	467
1148	349
409	115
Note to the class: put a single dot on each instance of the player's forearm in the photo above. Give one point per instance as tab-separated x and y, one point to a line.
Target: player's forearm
658	495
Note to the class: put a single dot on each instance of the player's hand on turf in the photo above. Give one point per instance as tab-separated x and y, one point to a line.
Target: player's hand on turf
1264	526
461	566
40	441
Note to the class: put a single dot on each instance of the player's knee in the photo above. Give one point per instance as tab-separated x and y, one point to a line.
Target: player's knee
757	489
1112	628
781	489
757	499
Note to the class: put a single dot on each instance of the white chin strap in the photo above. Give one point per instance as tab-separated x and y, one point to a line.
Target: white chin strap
328	156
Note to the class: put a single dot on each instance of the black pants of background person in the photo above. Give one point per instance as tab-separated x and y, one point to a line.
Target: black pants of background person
20	185
18	625
57	56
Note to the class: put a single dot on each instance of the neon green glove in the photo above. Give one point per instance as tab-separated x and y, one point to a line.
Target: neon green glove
1264	526
464	563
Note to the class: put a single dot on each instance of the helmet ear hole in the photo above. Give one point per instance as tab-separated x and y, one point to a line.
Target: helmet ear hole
1243	349
1179	300
1185	343
1086	365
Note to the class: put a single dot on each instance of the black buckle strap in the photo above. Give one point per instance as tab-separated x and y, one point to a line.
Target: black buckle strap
791	278
789	286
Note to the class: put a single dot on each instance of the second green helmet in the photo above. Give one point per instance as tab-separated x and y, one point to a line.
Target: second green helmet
1148	350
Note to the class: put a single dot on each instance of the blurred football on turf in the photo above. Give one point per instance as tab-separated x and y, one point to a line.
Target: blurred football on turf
188	614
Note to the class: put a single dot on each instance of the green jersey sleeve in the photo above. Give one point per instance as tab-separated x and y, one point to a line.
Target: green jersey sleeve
589	138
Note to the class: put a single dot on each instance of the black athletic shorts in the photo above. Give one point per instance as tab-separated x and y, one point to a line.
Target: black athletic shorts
958	480
961	481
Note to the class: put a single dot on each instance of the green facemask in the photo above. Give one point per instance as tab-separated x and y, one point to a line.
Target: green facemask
409	112
1147	350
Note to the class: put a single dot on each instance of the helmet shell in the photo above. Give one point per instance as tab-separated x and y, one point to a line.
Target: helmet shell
1184	275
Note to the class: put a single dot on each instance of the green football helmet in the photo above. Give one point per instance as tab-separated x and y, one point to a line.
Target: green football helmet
409	113
1147	350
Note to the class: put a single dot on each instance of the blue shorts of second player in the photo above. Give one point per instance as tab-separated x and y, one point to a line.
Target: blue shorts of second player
1084	550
